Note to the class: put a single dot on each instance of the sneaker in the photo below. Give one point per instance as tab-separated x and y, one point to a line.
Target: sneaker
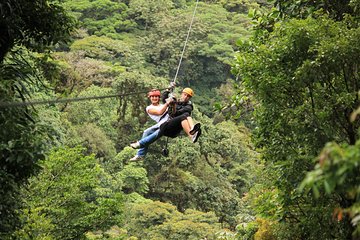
195	128
135	145
136	158
196	136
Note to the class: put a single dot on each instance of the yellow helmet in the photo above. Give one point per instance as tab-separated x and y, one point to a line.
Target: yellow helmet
188	91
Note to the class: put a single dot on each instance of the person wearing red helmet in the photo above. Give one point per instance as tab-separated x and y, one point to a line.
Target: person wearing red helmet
155	110
158	113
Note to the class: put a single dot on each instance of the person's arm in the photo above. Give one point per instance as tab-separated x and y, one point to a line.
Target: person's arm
159	110
184	108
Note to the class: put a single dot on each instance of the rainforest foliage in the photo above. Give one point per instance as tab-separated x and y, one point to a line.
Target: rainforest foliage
276	91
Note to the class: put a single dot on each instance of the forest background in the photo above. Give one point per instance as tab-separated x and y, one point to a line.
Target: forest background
276	91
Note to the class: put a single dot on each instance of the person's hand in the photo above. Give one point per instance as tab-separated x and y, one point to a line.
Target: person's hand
169	100
173	95
172	85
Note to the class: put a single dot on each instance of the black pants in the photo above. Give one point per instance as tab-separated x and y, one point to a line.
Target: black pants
172	127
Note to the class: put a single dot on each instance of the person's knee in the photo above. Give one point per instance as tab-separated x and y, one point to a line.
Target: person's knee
149	131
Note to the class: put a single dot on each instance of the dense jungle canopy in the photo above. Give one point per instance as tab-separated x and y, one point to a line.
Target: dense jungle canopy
276	90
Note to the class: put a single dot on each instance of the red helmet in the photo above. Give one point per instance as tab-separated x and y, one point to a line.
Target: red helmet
154	92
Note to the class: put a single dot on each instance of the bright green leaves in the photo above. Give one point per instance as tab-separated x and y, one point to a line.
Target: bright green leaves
289	72
337	173
209	50
303	78
148	13
101	47
74	193
101	112
101	17
305	8
158	220
134	179
94	122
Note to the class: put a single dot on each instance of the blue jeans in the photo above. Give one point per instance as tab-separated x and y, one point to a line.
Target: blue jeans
149	136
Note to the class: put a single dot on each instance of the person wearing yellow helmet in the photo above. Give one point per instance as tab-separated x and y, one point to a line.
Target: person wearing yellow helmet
188	91
180	120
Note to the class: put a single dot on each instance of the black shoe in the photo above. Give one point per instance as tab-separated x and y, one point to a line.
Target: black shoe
196	136
195	128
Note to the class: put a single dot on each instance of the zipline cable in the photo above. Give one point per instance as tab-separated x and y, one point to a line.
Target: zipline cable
187	39
65	100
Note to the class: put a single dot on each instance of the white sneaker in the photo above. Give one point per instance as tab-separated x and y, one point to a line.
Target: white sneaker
136	158
135	145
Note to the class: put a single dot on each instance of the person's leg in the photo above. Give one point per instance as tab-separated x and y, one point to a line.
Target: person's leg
144	145
173	127
190	121
193	131
142	151
150	130
146	141
193	127
146	133
186	126
189	128
149	136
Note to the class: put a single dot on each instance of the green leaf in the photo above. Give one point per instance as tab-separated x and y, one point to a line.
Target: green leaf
328	188
316	191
